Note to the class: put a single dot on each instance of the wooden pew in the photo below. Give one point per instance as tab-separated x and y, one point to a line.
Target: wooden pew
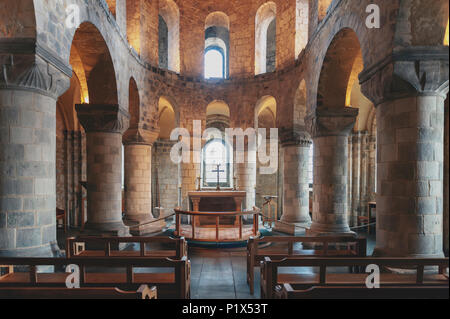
271	277
288	291
144	292
171	277
354	247
107	247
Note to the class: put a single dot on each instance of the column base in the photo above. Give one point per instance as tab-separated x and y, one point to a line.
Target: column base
380	252
334	232
294	229
137	229
116	229
44	251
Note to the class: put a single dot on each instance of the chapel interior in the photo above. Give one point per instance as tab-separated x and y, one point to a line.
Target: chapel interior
115	148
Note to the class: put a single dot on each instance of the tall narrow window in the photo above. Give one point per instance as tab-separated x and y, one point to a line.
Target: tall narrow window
265	38
214	64
216	152
163	44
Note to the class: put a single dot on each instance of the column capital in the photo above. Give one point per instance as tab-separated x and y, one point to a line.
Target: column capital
329	121
103	118
407	71
295	137
29	66
140	136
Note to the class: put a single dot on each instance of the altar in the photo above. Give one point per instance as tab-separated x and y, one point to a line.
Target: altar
216	201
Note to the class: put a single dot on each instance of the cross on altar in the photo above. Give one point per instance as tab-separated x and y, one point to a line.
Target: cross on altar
218	171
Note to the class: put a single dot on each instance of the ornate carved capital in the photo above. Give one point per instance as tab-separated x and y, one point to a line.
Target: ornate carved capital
326	121
140	136
103	118
27	66
408	71
295	136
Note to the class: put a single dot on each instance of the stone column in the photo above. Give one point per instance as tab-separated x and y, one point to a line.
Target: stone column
138	181
295	149
446	176
29	88
104	126
410	135
246	180
356	176
330	128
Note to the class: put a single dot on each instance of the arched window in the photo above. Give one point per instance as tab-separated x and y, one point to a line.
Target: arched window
265	38
169	35
214	63
217	152
217	45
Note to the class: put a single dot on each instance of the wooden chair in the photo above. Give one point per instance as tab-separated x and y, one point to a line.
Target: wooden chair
353	247
171	277
288	291
61	215
108	247
271	277
144	292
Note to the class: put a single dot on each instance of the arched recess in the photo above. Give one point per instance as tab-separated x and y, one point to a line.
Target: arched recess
337	69
218	115
167	118
217	38
323	7
169	35
265	111
134	103
265	47
300	106
301	25
97	64
134	24
15	22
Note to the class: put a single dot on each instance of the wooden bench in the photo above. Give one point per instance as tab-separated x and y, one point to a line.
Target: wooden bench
353	247
171	277
288	291
108	247
144	292
271	276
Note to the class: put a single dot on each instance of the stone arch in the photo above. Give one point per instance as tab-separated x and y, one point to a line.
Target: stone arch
217	37
337	69
301	25
97	64
170	14
266	111
218	115
166	117
265	15
134	103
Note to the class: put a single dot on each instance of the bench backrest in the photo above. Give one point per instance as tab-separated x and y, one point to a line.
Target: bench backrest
356	246
181	270
347	292
144	292
75	245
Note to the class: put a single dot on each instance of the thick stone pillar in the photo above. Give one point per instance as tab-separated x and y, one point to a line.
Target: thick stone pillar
410	135
104	126
29	88
138	181
446	176
246	180
295	150
330	128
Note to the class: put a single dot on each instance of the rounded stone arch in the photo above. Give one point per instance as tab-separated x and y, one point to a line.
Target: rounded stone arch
300	105
168	117
218	115
16	22
217	19
336	69
170	14
97	64
266	112
265	15
134	103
